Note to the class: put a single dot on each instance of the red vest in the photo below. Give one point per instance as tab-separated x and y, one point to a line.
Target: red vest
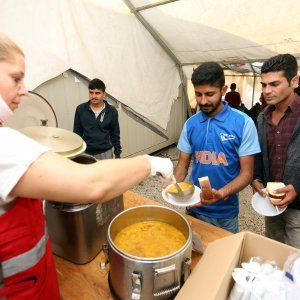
26	262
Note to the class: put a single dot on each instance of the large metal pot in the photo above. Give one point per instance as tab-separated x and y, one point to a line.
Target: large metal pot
134	277
78	231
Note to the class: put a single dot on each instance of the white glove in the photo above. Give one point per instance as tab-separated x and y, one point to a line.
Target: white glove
162	167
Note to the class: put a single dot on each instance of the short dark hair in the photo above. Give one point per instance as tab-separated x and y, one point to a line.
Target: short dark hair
233	86
282	62
97	84
208	73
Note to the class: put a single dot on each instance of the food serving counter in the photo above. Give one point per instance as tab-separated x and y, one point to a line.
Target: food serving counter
90	282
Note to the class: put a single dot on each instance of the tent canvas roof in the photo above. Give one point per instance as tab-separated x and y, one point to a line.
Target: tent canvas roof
144	49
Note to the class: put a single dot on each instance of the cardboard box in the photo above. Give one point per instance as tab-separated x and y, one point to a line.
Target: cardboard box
211	277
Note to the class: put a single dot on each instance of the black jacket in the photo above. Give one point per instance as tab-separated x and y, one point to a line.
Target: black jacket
100	134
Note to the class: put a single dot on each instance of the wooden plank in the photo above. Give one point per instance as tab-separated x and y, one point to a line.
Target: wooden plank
89	281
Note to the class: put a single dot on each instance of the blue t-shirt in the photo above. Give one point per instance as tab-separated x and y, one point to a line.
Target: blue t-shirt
216	145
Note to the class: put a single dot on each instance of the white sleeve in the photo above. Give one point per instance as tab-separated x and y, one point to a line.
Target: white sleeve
17	152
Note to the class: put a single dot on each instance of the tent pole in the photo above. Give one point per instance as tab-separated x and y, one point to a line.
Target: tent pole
254	81
154	34
152	31
228	62
253	89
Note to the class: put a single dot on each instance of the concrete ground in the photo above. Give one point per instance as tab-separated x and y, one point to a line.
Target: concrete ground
248	218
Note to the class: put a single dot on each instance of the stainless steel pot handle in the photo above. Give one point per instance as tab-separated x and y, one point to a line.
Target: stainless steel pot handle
162	271
136	285
186	270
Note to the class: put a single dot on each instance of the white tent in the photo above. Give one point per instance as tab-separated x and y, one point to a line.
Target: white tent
144	49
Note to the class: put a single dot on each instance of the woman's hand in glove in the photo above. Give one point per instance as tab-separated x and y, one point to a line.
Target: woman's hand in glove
162	167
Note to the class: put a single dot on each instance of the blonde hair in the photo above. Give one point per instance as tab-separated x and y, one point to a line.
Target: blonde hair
8	48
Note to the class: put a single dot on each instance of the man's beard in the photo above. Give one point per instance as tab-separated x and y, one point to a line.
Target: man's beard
214	107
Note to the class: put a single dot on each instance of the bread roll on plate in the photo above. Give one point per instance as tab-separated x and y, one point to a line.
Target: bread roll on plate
275	198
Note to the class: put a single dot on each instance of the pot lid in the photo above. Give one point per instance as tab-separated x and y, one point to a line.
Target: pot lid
34	110
61	141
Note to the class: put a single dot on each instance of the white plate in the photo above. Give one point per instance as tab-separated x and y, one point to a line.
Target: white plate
195	198
264	207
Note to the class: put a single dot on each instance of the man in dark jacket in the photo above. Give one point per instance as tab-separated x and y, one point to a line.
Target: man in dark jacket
254	112
97	123
278	130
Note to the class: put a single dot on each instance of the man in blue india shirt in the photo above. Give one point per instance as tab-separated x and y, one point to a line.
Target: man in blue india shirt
222	142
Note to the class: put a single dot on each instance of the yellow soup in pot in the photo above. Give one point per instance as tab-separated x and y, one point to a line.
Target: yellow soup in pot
150	239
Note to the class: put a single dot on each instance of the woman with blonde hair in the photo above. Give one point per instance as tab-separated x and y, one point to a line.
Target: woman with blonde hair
30	171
